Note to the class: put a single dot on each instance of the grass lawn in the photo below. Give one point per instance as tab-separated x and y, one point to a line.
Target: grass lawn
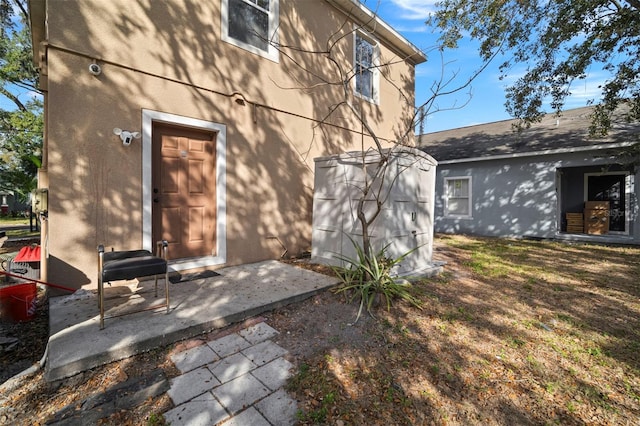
13	221
513	332
13	227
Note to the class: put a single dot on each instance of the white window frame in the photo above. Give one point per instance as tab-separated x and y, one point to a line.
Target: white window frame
446	197
375	70
274	21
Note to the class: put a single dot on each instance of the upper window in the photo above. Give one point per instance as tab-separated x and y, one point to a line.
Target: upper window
458	197
251	25
366	70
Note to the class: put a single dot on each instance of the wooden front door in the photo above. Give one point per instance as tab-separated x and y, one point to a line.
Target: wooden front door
184	182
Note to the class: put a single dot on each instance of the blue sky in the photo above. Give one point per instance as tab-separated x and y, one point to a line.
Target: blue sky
487	91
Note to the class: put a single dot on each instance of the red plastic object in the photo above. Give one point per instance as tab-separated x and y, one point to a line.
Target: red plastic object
19	302
28	254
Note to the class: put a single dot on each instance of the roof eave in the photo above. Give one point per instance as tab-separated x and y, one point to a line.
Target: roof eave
372	23
571	150
37	17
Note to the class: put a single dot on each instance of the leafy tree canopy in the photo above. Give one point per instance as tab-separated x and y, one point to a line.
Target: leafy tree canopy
20	116
558	42
20	146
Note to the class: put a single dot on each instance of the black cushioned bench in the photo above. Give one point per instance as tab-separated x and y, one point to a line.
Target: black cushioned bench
130	264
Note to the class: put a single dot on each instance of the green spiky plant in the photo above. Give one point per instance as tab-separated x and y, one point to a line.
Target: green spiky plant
368	278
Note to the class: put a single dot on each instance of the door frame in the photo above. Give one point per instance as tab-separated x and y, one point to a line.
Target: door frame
627	195
148	118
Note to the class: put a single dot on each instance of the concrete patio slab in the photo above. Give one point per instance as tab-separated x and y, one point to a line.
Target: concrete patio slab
192	384
204	411
279	408
231	367
250	416
194	358
240	393
77	344
250	394
228	345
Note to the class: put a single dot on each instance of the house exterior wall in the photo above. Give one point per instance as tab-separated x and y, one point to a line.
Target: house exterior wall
167	56
519	197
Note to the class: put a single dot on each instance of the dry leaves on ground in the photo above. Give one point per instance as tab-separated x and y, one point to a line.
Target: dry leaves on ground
512	332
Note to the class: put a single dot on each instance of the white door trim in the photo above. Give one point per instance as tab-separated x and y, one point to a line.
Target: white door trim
148	118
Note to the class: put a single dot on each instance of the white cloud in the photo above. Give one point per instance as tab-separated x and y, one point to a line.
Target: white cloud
415	9
590	87
586	90
581	90
411	28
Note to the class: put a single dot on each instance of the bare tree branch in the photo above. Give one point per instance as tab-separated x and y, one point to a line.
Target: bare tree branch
23	10
339	71
13	98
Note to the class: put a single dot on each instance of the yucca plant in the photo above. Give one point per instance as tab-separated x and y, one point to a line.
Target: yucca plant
370	278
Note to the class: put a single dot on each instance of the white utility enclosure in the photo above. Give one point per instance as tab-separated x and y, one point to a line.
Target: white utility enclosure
406	219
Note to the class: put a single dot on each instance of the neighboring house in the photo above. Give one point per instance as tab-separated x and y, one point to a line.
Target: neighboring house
9	204
228	125
549	181
6	197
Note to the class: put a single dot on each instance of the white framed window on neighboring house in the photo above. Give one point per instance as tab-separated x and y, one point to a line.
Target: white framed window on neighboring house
457	192
252	25
366	60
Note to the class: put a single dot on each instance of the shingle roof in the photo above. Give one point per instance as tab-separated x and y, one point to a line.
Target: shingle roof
569	130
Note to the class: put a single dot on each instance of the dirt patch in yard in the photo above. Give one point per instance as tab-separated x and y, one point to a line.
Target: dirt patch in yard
513	332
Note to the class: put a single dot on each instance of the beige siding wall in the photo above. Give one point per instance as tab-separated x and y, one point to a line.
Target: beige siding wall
167	56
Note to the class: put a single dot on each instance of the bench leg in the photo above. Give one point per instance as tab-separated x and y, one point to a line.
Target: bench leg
162	248
101	302
166	288
101	289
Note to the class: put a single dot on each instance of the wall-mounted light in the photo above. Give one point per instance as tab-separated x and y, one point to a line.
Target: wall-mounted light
126	136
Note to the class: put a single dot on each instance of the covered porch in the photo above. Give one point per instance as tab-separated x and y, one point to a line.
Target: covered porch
597	204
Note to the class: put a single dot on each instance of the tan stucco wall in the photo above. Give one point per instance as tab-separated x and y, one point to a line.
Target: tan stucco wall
167	56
